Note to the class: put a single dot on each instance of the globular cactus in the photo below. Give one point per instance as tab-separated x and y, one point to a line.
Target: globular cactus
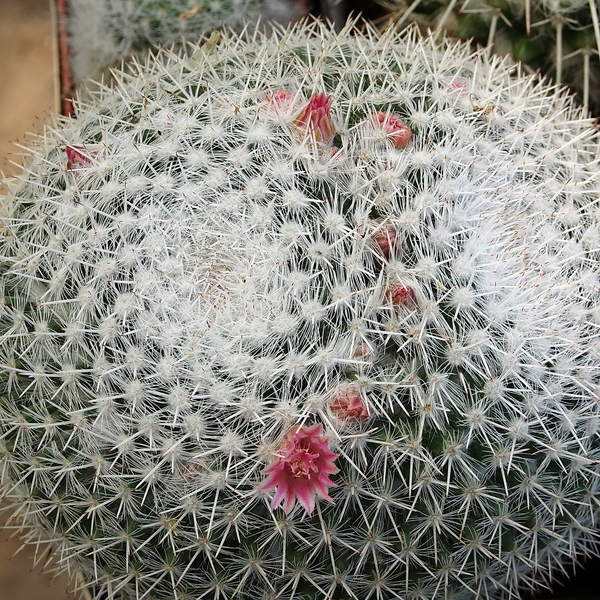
104	32
560	38
307	316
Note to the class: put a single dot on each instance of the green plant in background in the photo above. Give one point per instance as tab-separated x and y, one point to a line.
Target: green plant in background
307	316
104	32
560	38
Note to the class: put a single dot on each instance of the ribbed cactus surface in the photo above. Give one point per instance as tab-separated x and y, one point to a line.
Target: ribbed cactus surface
307	316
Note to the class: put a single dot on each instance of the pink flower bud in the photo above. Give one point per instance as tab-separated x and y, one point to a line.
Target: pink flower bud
300	470
402	296
78	158
458	87
280	101
364	352
192	470
348	404
395	129
385	239
315	119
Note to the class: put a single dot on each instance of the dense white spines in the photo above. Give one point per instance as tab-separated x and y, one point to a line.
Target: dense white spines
193	276
558	37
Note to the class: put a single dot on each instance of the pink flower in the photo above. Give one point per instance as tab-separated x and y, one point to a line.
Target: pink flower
77	158
348	404
301	469
316	118
385	239
280	101
394	127
402	296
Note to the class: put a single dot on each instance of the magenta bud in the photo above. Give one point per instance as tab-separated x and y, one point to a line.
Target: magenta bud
385	239
394	127
316	118
348	404
402	296
280	101
77	158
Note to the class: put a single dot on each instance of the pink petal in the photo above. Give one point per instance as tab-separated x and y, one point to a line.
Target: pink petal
290	500
316	118
271	482
311	430
280	101
385	239
279	494
306	497
396	130
322	489
77	157
402	296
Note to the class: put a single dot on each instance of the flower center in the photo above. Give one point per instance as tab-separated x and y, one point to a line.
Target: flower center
301	463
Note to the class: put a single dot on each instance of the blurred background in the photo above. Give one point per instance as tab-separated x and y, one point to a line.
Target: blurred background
27	69
28	95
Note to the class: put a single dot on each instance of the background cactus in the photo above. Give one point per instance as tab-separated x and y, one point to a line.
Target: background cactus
560	38
307	316
103	32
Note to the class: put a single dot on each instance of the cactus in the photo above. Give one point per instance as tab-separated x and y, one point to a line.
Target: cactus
307	315
104	32
560	38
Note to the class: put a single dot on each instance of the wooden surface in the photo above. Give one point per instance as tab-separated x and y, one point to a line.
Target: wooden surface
27	73
27	95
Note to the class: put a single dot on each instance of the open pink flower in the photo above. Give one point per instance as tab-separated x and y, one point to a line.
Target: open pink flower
316	118
394	127
78	157
301	469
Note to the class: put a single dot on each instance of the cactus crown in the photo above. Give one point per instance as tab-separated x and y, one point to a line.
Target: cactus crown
309	315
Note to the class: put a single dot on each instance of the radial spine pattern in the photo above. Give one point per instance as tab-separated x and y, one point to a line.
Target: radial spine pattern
560	38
